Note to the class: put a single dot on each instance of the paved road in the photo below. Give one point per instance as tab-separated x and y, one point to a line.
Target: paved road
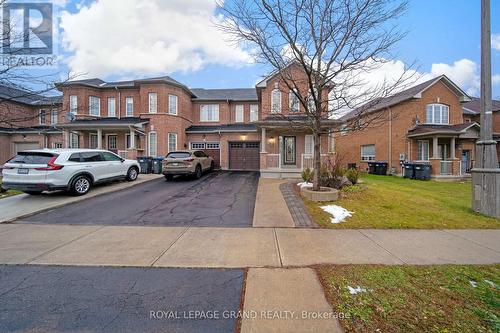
99	299
223	199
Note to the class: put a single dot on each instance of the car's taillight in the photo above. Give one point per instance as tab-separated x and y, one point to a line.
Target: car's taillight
191	159
7	167
51	166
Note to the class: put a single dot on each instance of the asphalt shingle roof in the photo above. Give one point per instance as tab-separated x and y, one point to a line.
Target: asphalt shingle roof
108	121
236	94
20	95
474	106
426	128
221	128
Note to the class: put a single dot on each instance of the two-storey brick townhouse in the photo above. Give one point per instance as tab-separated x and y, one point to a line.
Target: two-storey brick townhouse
242	129
27	121
429	122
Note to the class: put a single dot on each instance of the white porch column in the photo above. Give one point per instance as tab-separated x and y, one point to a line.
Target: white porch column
132	139
99	139
452	148
435	151
66	138
263	141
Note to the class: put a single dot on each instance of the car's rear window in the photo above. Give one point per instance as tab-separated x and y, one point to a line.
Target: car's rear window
179	154
31	158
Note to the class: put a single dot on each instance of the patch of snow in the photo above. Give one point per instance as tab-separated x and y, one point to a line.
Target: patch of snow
491	283
473	284
338	213
304	184
357	290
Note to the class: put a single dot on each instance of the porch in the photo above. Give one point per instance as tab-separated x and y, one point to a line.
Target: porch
450	150
125	137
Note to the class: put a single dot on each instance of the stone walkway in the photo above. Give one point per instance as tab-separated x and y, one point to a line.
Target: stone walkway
296	207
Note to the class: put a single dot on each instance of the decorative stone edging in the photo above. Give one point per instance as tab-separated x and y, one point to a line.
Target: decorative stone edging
296	207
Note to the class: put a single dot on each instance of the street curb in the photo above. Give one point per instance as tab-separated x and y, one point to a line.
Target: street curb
79	199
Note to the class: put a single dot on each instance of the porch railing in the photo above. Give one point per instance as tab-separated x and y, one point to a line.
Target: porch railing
446	167
307	161
123	153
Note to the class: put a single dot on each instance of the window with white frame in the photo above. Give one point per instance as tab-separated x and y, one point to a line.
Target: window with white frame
172	142
239	114
53	117
209	112
129	107
368	153
294	103
152	144
254	112
197	145
213	145
94	106
344	130
423	150
74	140
276	101
172	104
153	102
309	145
73	104
311	105
57	145
41	116
437	114
93	141
111	107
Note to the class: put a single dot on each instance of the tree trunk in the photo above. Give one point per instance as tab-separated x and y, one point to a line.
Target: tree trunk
317	160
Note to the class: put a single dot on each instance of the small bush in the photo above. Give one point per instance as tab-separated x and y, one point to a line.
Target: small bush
352	175
307	175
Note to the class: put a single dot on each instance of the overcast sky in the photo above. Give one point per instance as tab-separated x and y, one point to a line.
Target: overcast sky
126	39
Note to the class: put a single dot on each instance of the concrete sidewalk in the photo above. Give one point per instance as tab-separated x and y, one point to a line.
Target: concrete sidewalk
241	247
22	205
270	207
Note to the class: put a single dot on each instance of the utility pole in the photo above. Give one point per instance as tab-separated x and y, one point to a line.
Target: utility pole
486	172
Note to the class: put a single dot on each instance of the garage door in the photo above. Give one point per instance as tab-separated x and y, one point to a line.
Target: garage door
244	155
212	149
20	146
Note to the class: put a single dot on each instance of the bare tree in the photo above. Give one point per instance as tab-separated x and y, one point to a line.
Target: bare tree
21	82
333	43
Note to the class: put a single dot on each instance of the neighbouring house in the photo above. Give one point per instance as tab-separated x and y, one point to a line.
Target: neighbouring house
28	121
433	122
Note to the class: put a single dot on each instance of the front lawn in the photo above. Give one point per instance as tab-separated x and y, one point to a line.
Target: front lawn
419	299
394	202
8	193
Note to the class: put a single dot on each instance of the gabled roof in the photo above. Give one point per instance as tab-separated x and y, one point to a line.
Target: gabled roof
24	96
237	94
407	94
424	129
474	106
100	84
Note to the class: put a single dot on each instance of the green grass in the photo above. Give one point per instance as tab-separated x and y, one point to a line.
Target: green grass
415	298
394	202
5	194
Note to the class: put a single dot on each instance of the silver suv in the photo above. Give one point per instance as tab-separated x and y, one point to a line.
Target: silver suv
186	162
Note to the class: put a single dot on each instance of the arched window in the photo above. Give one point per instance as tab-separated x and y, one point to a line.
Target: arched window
276	101
438	114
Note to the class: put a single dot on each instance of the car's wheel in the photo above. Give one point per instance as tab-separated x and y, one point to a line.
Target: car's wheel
212	166
81	185
198	173
33	192
169	177
132	174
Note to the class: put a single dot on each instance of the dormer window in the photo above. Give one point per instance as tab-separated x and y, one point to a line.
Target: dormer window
276	101
438	114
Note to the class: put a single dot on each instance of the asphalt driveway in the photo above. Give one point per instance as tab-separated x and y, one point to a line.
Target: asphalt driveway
103	299
220	199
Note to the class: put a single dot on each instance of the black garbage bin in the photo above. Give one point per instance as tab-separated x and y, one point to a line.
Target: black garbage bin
157	167
381	168
371	167
146	164
409	170
423	171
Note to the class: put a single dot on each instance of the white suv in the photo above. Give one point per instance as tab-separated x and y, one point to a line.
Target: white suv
74	170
